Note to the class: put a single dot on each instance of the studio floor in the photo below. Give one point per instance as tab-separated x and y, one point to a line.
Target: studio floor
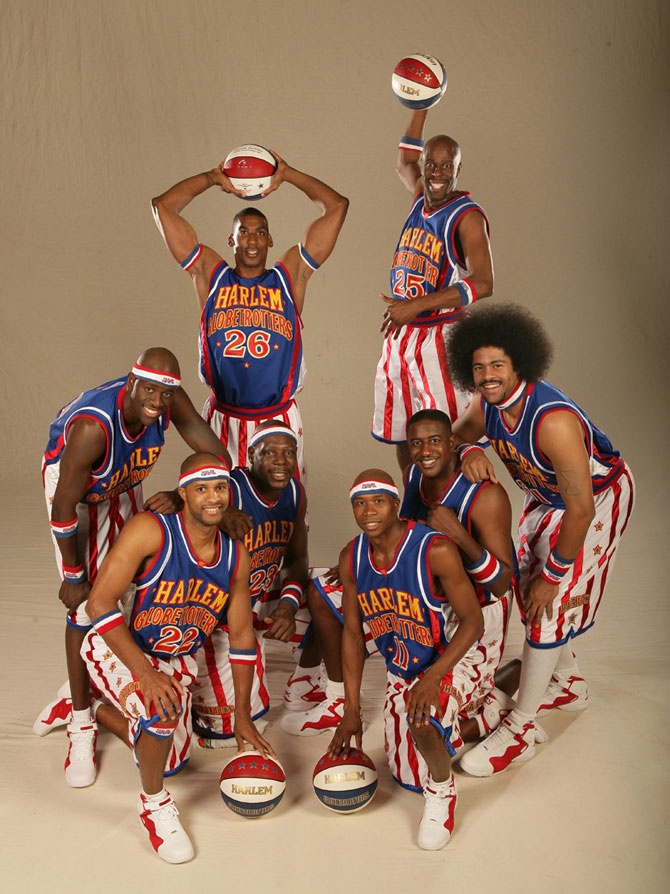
589	813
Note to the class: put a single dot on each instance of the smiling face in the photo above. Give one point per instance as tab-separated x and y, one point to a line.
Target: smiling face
148	400
440	167
430	446
273	462
375	514
206	500
493	374
251	240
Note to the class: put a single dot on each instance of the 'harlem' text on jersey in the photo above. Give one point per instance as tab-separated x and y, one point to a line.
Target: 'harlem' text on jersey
250	340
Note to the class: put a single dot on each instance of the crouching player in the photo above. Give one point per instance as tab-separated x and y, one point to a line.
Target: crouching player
409	585
188	576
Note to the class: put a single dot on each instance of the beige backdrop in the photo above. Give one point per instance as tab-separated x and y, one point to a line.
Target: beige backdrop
561	109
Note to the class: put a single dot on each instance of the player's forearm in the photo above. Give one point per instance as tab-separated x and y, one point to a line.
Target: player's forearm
409	151
178	196
353	657
325	197
243	676
121	642
469	629
574	528
452	297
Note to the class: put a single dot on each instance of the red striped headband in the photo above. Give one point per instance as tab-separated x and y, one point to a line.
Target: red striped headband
374	487
204	473
261	433
156	375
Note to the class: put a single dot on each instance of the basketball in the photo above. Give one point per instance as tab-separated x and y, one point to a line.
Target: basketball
252	785
345	784
250	169
419	81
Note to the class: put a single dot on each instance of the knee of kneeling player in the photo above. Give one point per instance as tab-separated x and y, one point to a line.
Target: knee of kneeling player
160	729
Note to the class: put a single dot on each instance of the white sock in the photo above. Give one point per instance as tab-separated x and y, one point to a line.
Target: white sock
82	718
334	690
566	666
445	788
537	666
159	796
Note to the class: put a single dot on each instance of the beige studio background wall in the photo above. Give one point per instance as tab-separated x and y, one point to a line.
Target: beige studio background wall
561	112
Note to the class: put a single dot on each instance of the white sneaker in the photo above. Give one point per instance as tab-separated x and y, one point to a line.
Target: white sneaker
326	716
437	822
567	693
303	691
56	713
80	765
495	706
166	833
511	742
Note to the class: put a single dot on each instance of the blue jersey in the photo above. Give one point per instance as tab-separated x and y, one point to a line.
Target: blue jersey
428	256
519	451
459	496
405	613
273	527
250	341
180	600
128	459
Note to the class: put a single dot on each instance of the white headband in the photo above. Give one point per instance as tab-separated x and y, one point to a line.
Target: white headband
156	375
261	433
374	487
204	473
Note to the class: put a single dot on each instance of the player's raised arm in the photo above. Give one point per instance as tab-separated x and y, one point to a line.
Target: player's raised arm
409	151
179	235
319	241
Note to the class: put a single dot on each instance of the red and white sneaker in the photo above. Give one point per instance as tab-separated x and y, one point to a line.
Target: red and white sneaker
303	691
326	716
56	713
161	820
495	706
80	764
567	693
437	822
513	741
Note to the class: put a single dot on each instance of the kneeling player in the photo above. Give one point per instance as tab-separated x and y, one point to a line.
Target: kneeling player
409	584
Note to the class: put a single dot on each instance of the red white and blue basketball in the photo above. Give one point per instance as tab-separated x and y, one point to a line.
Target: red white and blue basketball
345	784
419	81
252	785
250	169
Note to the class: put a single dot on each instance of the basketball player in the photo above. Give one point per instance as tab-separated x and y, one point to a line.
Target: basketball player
250	325
579	497
101	447
409	585
478	519
189	577
276	538
441	264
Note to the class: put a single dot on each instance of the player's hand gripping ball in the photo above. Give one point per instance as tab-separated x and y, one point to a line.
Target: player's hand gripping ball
252	785
250	169
345	784
419	81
